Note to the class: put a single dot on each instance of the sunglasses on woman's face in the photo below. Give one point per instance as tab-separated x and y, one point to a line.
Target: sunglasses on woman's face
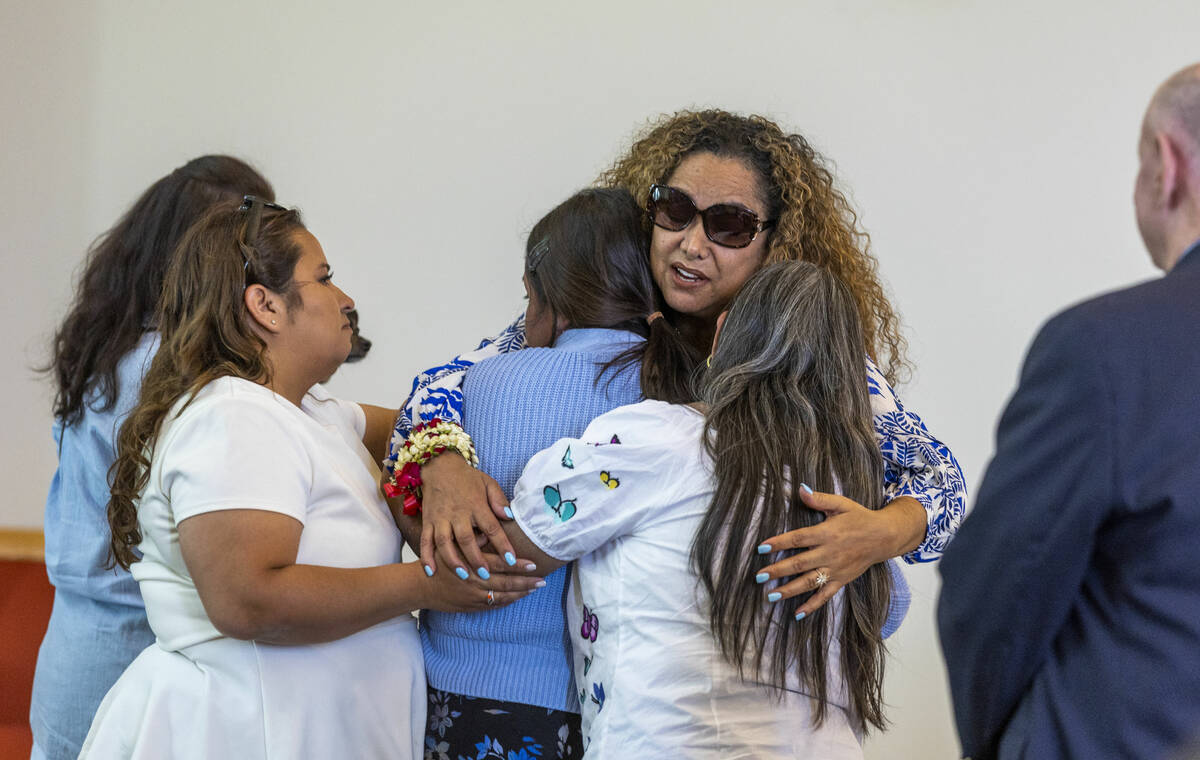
724	223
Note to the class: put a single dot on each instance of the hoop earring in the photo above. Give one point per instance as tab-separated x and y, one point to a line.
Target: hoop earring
708	361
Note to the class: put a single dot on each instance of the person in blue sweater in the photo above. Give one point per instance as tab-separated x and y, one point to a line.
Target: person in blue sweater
99	355
500	681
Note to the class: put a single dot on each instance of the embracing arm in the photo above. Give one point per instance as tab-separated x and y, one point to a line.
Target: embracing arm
926	493
919	471
243	562
457	500
1016	568
581	493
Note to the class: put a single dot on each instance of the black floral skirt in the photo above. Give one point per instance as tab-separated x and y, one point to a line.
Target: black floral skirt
474	728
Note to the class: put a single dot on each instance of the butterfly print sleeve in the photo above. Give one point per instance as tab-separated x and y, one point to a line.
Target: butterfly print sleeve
581	493
918	465
437	392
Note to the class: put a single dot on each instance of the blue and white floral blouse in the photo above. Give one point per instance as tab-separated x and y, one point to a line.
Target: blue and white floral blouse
916	464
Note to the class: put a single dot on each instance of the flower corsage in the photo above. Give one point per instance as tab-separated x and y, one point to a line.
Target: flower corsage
425	441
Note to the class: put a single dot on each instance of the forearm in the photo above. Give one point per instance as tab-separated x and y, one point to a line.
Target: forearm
526	548
918	467
308	604
907	522
410	527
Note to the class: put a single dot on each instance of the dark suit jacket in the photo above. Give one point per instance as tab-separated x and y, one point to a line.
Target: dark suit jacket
1070	607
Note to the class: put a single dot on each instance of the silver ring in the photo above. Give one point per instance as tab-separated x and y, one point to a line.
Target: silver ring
491	599
821	579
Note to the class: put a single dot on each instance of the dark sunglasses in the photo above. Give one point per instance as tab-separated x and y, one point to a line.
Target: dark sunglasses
724	223
254	205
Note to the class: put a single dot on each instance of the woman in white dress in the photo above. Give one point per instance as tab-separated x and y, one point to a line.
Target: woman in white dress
269	563
684	644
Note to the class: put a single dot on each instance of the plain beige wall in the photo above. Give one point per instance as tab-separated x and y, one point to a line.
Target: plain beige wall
989	147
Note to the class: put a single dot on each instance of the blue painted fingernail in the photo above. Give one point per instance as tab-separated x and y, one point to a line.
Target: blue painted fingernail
764	548
774	596
540	584
429	571
806	488
801	615
762	578
510	559
530	567
508	513
461	573
483	573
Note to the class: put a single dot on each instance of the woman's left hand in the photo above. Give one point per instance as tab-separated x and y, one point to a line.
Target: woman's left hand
842	547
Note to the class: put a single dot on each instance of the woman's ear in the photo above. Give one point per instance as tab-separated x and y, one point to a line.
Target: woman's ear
265	308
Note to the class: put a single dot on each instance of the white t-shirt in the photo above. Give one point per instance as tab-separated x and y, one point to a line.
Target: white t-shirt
624	502
238	445
198	694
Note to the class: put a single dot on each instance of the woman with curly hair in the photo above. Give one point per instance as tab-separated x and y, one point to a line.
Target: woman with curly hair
725	195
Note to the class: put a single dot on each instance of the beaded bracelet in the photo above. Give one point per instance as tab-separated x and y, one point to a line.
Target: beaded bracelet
425	441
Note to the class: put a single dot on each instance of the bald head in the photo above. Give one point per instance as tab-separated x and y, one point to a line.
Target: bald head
1167	191
1175	107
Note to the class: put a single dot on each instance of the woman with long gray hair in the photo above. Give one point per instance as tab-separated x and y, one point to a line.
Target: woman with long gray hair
654	494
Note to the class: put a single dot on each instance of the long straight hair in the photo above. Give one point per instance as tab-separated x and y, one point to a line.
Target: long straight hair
787	403
588	262
123	275
206	334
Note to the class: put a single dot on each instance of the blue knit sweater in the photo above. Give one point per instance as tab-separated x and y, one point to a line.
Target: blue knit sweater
515	405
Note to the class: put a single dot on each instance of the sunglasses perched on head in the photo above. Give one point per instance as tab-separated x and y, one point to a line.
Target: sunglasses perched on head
724	223
254	206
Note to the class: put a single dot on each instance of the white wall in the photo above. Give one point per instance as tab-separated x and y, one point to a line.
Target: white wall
989	146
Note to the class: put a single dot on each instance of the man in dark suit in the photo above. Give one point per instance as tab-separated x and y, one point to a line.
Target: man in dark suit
1070	607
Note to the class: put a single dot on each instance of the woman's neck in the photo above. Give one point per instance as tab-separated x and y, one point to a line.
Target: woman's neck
288	378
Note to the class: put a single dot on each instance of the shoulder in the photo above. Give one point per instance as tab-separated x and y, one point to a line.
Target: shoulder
551	373
227	407
327	409
1135	310
647	423
134	364
527	360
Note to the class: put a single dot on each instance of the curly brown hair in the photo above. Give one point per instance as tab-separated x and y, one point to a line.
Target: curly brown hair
814	220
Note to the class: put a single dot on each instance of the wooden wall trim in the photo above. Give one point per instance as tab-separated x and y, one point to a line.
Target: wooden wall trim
22	545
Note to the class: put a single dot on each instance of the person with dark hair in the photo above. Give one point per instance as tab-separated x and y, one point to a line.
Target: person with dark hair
724	195
245	501
503	677
653	494
100	352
